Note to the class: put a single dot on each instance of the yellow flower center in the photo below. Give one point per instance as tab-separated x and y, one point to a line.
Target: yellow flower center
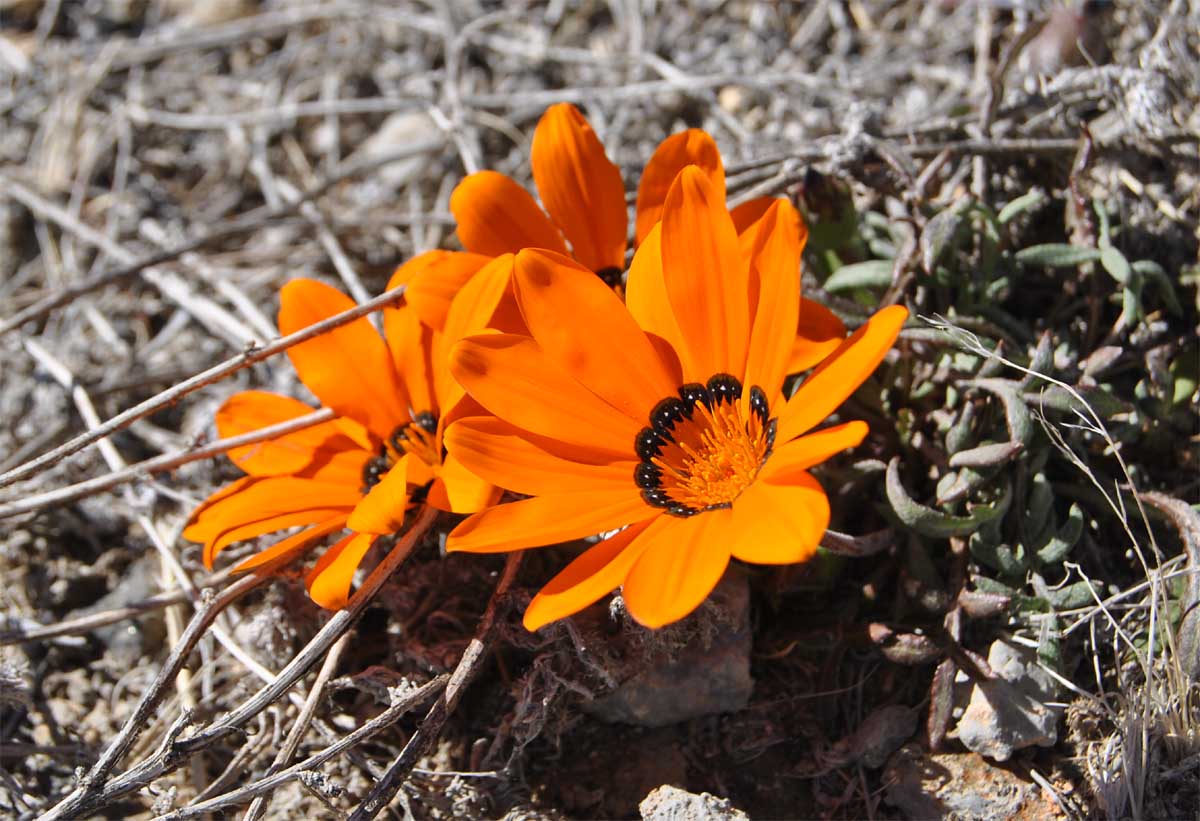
704	447
418	438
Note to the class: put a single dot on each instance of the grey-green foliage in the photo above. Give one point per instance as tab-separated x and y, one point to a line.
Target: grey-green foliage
1131	276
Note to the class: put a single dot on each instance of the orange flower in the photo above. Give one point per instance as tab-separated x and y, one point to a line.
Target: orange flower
585	216
664	416
358	471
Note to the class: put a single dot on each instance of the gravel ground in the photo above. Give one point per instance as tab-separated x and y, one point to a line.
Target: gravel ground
166	165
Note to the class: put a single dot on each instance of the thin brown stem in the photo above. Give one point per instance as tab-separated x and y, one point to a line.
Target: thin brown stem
90	796
431	726
214	374
296	733
159	464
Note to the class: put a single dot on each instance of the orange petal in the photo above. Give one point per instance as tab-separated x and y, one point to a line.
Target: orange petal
357	434
472	311
775	265
420	473
410	342
580	187
267	524
458	490
779	524
544	520
497	216
292	545
494	449
258	500
647	300
201	524
680	565
513	378
706	278
329	581
841	373
594	573
819	332
253	410
790	462
382	510
748	213
691	147
583	326
348	368
434	279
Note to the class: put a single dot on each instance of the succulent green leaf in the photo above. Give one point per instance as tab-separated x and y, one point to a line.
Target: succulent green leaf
934	523
987	456
1016	412
1021	205
959	435
999	557
1049	649
940	233
873	273
1115	263
1065	539
1100	400
1056	255
1151	271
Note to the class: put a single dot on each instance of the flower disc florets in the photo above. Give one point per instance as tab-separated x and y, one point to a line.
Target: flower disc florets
704	447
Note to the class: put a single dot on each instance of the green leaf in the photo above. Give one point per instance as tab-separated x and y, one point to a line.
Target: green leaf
986	456
874	273
940	232
1057	398
1026	202
1153	272
1066	538
1016	412
934	523
1104	238
991	586
999	557
1115	263
1056	255
959	435
1185	373
1042	360
1070	597
1049	648
1039	506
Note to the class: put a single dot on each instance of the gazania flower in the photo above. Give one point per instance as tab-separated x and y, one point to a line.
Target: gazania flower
357	472
585	216
664	416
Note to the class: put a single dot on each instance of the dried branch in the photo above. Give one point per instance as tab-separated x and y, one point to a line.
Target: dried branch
159	464
85	624
200	380
300	727
431	726
263	786
94	792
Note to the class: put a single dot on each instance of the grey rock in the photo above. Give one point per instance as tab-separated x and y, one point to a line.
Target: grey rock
668	803
700	679
1009	712
962	786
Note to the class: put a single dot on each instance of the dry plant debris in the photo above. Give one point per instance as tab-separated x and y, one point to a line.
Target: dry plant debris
1022	175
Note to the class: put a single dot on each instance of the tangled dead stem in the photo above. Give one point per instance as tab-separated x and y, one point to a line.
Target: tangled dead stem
1025	170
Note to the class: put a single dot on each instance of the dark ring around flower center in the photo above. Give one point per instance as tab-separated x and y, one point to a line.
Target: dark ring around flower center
670	412
610	276
377	466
